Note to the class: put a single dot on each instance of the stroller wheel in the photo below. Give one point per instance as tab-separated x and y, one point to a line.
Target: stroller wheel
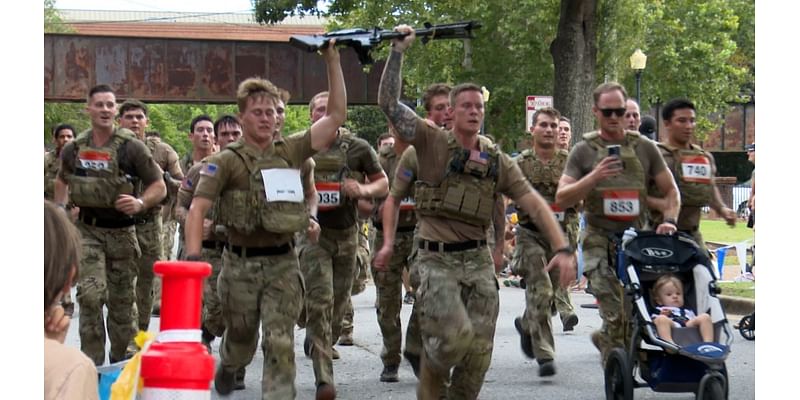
712	387
618	376
747	327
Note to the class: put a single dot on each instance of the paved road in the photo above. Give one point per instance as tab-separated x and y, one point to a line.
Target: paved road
511	375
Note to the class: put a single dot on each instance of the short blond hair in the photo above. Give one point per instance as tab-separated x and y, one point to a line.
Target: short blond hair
256	88
664	280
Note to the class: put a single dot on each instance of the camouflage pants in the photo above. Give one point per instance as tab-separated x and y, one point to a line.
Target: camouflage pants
531	256
413	335
168	237
562	301
149	236
212	309
268	289
459	303
599	257
389	290
106	277
328	271
360	277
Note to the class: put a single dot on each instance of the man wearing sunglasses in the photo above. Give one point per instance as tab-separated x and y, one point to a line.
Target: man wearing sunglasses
609	170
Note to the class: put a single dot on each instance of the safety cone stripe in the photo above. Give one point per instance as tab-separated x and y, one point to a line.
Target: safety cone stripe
174	394
180	335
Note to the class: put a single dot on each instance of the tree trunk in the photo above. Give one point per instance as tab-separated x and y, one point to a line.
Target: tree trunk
574	54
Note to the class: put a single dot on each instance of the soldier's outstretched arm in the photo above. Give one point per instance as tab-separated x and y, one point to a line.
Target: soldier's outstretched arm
194	225
401	116
323	132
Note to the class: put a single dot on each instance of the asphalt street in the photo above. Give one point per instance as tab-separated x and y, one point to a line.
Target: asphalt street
510	376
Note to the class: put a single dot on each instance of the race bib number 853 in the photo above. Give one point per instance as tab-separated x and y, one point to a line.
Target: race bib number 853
621	205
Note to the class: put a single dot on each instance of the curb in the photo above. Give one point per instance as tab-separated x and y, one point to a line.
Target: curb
737	305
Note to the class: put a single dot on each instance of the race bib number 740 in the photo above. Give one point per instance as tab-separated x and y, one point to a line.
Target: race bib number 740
696	169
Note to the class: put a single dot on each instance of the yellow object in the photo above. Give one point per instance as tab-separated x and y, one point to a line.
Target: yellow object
514	218
128	384
485	94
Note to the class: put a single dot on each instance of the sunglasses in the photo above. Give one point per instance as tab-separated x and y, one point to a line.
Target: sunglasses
608	111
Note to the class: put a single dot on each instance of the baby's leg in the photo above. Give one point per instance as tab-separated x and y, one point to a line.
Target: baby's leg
703	323
664	327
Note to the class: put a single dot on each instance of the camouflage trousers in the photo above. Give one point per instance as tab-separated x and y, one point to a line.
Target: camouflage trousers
212	309
531	255
459	303
168	229
150	242
268	289
413	335
599	254
360	277
328	271
389	291
106	278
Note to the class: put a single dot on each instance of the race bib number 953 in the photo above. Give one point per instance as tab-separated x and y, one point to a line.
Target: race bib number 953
621	205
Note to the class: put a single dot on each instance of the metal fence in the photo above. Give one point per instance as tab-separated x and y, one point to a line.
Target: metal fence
738	195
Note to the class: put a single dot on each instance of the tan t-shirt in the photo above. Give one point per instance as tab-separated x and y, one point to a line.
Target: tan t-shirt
230	173
390	163
432	156
68	373
582	157
689	217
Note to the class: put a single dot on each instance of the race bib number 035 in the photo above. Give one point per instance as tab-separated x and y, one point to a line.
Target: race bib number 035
557	212
94	160
329	194
621	205
696	169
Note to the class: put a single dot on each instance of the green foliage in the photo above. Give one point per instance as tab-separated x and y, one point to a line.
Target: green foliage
297	119
52	19
367	122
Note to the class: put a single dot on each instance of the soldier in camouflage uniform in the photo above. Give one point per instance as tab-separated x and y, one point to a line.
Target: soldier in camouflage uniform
542	167
613	188
149	231
99	171
260	279
460	173
692	168
328	266
360	273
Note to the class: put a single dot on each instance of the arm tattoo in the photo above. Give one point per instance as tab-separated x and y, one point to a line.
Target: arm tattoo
402	117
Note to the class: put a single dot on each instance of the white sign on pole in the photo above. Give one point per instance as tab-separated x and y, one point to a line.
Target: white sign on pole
533	103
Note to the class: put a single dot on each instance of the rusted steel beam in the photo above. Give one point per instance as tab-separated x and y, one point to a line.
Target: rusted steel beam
190	71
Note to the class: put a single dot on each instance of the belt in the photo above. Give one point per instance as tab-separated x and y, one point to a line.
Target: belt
379	226
259	251
530	226
448	247
107	223
213	244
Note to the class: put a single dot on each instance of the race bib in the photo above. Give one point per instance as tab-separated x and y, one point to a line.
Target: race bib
407	204
621	205
557	212
94	160
696	169
329	194
282	184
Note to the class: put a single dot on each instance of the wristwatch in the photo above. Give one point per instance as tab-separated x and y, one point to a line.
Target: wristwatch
568	250
671	221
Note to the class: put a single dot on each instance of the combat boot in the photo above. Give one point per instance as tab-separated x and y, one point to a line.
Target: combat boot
334	354
346	339
239	385
207	338
547	368
569	322
413	359
325	391
224	380
389	374
525	341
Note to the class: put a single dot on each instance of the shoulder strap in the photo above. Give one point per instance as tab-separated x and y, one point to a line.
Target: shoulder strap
238	149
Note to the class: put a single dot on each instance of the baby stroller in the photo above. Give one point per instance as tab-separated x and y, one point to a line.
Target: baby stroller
688	365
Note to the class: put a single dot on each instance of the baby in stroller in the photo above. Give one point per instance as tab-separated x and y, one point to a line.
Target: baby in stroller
668	298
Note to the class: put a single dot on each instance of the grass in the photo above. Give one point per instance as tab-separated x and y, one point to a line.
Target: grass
739	289
718	231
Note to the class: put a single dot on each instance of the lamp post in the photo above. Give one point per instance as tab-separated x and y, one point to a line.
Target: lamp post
638	62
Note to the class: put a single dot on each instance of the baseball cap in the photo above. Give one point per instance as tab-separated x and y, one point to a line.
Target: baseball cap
648	127
751	147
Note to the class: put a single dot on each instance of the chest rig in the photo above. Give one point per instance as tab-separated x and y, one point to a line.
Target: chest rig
692	171
617	202
99	177
544	177
467	192
246	210
330	171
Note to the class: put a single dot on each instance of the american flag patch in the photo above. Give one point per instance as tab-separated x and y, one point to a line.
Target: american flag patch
480	157
404	174
187	184
209	169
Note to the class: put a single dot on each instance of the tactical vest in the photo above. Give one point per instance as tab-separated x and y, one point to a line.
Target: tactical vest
98	179
544	178
50	173
246	210
617	202
388	160
467	192
692	171
330	171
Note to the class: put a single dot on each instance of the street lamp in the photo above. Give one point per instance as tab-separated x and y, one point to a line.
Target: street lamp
638	62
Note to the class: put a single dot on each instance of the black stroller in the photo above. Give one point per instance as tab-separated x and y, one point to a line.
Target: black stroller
688	364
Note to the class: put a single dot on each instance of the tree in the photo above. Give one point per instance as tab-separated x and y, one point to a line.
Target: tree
52	19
